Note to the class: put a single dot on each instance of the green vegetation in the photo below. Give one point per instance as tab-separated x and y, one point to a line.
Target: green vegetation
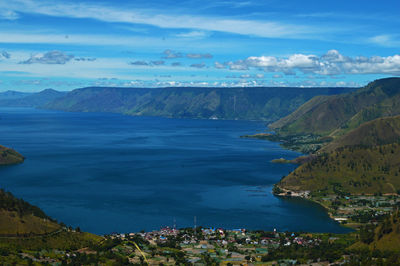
19	218
351	170
377	132
266	104
9	156
338	114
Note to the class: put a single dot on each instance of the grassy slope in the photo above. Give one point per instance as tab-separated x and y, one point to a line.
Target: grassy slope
336	115
267	104
18	217
353	170
9	156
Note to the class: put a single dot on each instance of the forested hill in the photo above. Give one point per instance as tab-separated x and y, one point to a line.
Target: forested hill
365	160
267	104
336	115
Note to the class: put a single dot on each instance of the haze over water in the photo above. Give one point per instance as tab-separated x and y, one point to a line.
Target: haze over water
113	173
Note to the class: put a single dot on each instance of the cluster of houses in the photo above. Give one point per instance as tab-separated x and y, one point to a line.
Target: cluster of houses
229	246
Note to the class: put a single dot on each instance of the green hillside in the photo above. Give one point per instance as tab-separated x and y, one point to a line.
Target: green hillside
266	104
349	170
377	132
9	156
384	237
17	217
336	115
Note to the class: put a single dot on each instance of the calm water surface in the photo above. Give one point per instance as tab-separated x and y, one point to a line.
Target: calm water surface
113	173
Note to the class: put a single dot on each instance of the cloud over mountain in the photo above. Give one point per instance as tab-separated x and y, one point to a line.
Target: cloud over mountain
331	63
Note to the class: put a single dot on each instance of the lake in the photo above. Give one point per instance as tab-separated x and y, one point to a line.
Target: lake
113	173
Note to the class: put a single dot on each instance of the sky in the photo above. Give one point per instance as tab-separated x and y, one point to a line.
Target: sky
212	43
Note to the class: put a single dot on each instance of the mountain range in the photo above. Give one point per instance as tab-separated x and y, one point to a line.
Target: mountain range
266	104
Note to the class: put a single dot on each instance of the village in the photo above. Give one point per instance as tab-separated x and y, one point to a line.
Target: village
217	246
357	210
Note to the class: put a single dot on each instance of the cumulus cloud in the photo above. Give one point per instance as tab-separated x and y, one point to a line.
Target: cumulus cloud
169	54
199	56
331	63
199	65
53	57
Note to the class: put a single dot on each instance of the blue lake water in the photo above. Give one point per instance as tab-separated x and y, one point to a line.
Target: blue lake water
113	173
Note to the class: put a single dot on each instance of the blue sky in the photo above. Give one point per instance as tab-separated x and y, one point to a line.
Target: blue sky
70	44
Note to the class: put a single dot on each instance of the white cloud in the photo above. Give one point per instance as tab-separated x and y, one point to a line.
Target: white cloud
53	57
270	29
219	65
331	63
386	40
193	34
7	14
169	54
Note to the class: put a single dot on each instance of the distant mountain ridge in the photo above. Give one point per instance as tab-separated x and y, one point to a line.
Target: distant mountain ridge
29	99
8	95
338	114
267	104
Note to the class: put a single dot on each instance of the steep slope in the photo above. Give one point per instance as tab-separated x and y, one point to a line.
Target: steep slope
9	156
377	132
266	104
336	115
350	170
32	100
18	217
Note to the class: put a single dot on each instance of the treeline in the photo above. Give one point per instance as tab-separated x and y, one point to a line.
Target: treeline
350	170
10	203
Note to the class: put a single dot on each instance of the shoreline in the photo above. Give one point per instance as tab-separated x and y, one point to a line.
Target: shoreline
306	196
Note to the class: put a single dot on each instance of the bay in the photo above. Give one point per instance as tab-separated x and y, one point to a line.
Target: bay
110	173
